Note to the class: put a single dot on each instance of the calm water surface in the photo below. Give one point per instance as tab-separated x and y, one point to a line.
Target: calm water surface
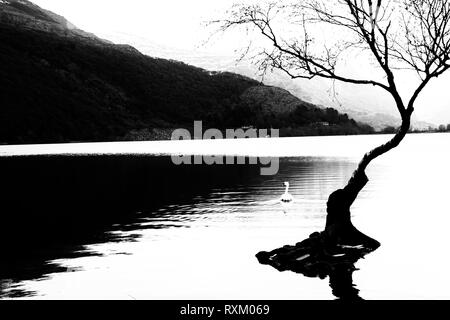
138	227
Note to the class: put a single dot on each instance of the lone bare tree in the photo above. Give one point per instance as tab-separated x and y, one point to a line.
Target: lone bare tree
396	34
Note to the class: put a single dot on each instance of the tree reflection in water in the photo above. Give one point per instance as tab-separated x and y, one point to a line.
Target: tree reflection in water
318	257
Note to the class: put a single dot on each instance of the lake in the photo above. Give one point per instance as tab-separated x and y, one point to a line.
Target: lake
121	221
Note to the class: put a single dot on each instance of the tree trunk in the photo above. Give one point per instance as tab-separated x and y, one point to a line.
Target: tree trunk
339	228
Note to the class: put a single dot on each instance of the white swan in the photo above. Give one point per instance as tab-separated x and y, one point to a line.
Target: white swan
286	197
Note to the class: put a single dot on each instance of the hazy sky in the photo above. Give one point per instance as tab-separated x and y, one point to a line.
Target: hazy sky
179	24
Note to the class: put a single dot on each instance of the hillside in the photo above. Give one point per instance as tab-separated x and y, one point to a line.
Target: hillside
378	115
61	84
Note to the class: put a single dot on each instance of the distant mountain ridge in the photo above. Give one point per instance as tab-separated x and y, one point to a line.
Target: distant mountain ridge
313	92
60	84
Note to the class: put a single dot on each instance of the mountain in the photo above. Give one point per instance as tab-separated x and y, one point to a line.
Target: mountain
358	102
61	84
277	108
27	15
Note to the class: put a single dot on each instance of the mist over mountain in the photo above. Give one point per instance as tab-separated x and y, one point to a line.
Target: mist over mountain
60	84
359	105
